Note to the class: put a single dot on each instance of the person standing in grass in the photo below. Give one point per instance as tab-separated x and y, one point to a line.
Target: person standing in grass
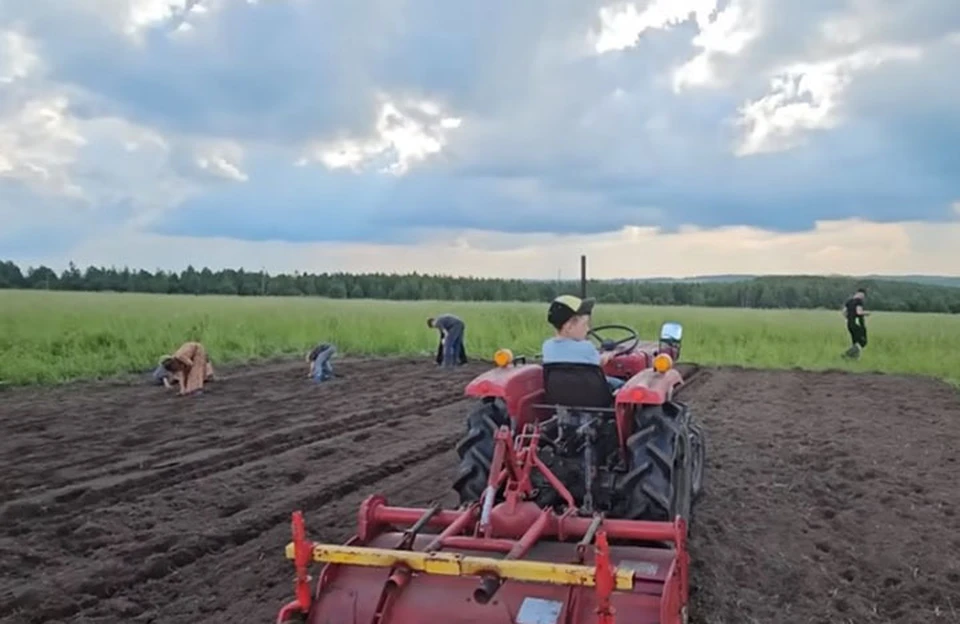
188	366
856	324
319	358
451	339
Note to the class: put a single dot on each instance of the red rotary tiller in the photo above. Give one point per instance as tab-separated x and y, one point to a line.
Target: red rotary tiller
395	571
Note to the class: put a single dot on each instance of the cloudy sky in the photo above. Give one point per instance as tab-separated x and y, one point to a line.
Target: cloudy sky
493	137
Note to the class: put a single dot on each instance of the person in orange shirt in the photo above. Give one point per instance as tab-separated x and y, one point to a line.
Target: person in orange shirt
189	366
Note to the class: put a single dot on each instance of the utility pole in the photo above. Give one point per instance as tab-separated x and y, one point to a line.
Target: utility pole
583	277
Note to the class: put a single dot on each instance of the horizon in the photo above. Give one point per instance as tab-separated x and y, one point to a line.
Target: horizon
918	278
664	139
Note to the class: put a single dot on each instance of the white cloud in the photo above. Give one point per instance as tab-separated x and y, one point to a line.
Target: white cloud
222	159
807	96
405	133
60	140
727	34
135	17
96	159
622	25
101	161
18	57
142	14
38	141
39	138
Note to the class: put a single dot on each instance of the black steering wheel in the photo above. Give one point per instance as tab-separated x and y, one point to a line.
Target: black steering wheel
612	345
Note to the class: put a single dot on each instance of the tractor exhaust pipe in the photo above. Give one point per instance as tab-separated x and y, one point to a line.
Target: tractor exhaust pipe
489	584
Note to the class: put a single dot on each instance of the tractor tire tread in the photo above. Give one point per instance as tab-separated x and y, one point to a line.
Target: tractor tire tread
476	450
699	459
648	488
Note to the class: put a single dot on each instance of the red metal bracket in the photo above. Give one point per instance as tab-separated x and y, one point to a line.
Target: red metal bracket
605	580
302	550
513	462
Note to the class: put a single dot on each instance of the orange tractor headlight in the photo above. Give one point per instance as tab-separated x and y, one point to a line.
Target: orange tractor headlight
662	363
503	357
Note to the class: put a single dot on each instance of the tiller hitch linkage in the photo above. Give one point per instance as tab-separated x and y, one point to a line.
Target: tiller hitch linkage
645	582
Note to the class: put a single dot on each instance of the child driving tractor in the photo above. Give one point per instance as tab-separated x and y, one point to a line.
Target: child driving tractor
570	317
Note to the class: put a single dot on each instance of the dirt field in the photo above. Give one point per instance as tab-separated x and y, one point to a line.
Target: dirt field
830	497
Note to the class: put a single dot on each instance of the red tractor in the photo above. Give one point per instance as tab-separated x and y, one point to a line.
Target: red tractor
634	453
551	455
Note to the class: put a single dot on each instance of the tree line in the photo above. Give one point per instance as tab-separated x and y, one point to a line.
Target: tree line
759	292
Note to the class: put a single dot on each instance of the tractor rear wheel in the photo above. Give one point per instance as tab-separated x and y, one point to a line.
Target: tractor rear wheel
658	484
476	449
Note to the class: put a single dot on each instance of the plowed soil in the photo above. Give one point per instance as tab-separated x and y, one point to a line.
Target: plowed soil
829	497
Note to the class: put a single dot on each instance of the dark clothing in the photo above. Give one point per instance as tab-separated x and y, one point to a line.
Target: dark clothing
851	306
447	322
451	331
462	358
856	324
858	334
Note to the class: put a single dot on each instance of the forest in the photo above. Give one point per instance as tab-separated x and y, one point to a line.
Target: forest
757	292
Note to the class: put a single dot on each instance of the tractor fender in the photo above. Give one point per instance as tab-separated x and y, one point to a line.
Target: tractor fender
649	387
520	388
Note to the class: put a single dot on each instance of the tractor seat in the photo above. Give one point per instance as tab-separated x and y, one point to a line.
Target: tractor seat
576	385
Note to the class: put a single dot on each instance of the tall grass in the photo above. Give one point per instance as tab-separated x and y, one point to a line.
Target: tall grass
57	336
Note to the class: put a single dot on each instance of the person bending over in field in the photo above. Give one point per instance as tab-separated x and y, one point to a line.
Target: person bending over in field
189	367
570	317
451	338
319	359
461	357
166	377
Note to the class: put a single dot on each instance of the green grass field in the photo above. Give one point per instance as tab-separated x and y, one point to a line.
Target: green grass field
58	336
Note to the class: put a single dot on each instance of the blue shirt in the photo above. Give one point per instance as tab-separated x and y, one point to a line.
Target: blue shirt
558	349
447	322
158	374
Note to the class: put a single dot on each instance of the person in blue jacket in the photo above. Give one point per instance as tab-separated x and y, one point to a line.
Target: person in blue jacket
451	339
319	359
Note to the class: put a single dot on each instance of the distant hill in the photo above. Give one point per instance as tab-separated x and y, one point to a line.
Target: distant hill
928	280
700	279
